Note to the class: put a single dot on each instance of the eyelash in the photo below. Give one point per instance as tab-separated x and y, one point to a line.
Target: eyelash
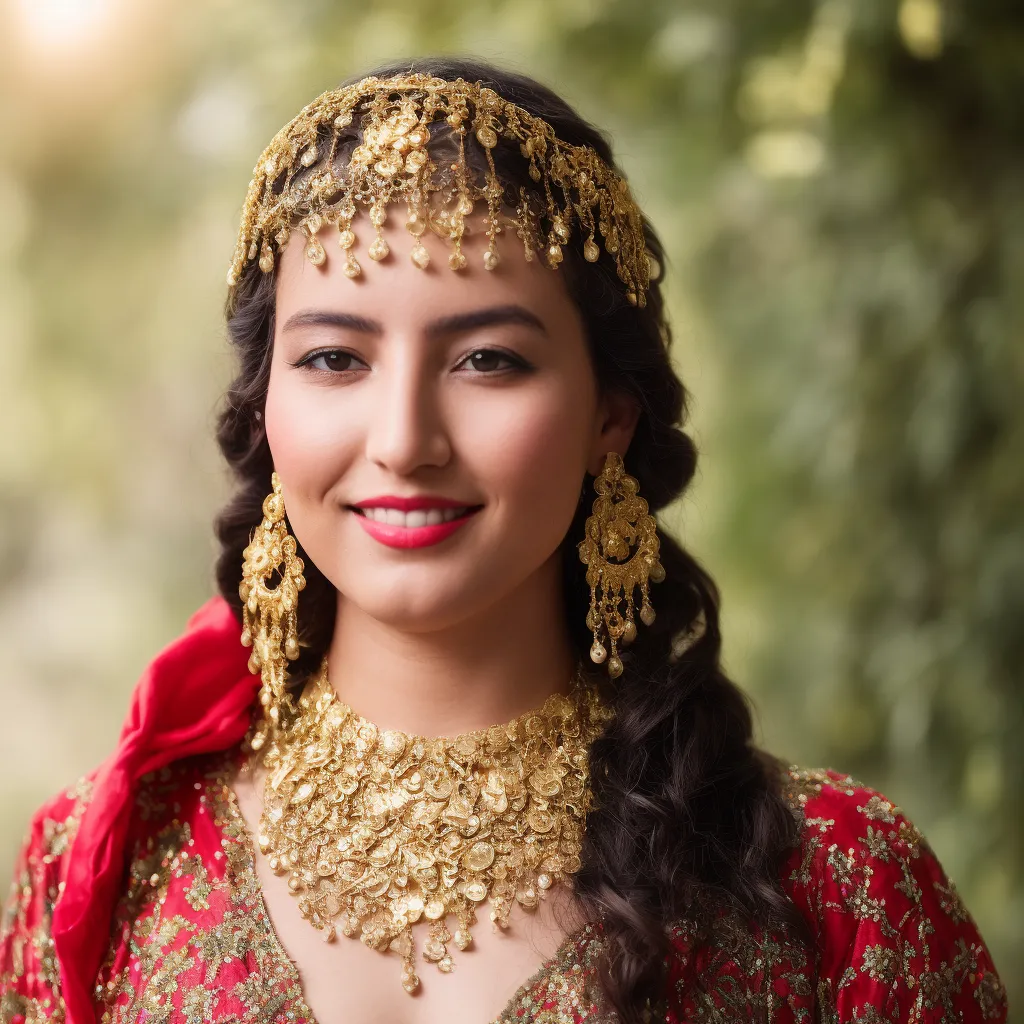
517	364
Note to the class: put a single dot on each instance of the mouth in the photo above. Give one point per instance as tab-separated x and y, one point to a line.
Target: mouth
417	528
416	519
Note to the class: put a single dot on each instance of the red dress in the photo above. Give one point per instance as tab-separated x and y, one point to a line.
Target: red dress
192	942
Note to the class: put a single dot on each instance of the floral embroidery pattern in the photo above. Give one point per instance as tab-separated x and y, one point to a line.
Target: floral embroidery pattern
192	943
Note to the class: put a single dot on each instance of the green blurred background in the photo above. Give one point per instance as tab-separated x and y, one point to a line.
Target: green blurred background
840	188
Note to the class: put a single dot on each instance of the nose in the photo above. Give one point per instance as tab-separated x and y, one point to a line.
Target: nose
406	429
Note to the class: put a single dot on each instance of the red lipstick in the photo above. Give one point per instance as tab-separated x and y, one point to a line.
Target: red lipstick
400	536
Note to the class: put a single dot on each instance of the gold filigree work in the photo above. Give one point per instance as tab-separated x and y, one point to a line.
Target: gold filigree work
619	519
379	830
270	614
298	180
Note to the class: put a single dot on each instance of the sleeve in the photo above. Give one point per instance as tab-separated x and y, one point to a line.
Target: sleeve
895	941
29	973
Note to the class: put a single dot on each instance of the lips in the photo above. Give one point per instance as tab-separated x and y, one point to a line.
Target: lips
412	522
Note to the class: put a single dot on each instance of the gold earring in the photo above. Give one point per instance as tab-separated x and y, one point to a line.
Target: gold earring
269	618
620	518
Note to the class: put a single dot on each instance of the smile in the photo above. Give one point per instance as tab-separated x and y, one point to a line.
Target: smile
420	517
418	528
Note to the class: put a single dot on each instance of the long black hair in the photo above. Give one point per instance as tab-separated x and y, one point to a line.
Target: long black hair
689	818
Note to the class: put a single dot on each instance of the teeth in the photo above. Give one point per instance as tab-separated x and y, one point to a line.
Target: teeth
421	517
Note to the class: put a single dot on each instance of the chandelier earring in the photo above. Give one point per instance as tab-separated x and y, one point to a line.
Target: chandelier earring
619	520
269	613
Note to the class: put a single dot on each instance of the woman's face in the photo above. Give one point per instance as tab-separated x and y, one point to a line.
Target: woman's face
406	397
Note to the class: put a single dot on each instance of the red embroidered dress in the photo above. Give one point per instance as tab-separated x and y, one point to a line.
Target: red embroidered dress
190	940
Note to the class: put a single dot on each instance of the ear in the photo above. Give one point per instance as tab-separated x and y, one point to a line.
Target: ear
615	424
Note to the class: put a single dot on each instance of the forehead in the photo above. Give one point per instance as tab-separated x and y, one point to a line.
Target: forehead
398	293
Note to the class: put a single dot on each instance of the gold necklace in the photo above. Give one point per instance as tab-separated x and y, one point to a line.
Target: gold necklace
379	829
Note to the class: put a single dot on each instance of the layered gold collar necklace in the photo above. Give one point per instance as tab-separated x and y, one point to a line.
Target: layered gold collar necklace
378	830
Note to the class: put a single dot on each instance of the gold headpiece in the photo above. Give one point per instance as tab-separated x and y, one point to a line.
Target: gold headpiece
296	180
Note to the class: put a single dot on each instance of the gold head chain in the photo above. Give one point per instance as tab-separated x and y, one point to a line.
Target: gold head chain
298	181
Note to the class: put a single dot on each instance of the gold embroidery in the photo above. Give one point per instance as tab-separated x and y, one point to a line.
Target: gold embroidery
198	891
34	884
949	900
881	963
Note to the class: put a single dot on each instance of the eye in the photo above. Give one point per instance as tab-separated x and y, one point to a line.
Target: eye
491	360
331	360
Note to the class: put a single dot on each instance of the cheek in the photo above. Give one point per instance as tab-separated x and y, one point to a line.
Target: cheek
532	452
306	433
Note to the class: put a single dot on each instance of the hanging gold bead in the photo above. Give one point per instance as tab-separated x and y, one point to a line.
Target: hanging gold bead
315	252
487	138
420	256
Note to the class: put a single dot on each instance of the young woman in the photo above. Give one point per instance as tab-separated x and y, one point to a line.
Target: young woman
477	718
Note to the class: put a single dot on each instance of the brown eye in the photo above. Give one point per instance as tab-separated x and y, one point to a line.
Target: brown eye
487	360
332	361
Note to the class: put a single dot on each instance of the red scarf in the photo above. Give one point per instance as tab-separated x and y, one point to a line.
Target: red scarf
194	697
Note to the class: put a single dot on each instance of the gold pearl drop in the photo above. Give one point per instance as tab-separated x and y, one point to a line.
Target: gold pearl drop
315	252
420	256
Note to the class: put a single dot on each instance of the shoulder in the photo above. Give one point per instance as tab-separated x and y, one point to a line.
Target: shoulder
893	936
165	804
29	975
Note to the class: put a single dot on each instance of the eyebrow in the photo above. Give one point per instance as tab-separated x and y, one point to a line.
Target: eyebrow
456	323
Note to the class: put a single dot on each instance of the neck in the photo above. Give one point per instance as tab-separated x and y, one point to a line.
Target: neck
508	658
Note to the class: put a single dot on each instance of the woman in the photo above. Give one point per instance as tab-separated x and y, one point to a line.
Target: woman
488	688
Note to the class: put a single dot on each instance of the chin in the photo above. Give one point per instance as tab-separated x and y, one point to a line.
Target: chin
419	605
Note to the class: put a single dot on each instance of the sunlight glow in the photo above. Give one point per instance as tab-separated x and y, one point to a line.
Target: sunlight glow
62	25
